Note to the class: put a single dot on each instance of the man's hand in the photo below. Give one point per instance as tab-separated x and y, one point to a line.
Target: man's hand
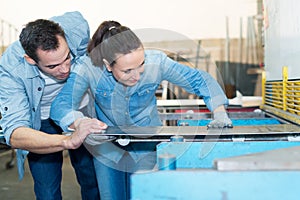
84	127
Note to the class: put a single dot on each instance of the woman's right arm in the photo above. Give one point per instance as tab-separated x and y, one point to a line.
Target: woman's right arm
65	108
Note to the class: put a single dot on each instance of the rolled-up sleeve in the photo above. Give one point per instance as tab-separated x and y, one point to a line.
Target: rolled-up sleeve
14	104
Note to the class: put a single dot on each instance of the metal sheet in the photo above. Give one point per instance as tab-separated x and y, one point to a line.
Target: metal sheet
198	130
197	133
279	159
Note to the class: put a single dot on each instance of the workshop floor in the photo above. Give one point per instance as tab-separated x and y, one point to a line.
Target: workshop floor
12	188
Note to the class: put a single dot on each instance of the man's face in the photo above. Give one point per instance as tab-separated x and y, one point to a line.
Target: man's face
56	63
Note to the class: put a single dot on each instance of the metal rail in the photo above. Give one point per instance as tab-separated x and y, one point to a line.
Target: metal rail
125	135
8	34
208	115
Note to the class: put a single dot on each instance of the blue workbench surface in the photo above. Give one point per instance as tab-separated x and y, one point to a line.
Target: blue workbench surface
198	184
235	122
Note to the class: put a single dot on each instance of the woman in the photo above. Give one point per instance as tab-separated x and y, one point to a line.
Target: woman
123	78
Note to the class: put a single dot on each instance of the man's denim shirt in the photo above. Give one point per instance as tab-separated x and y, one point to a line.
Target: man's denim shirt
117	105
22	86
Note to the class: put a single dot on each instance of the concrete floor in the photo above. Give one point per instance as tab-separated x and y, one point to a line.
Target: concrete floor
12	188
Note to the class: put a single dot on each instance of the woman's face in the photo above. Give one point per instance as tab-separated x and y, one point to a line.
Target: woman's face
129	67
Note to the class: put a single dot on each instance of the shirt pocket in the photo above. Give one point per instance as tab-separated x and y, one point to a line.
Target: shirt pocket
144	96
103	98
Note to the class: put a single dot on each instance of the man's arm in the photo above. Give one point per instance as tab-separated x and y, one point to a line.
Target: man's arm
40	142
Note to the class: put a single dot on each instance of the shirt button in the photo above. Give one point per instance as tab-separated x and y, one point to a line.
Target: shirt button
126	113
104	94
126	98
33	109
5	108
39	89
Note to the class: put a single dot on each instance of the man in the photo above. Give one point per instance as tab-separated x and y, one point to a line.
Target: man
32	72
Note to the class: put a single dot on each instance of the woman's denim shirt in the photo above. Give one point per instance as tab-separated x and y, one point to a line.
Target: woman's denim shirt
21	87
117	105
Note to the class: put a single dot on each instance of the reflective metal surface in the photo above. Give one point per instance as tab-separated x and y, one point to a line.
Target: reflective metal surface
281	132
201	130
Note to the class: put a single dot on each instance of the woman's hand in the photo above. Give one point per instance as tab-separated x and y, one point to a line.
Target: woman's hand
84	127
220	119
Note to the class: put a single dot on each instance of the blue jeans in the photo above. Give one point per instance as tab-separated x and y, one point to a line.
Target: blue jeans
46	170
114	178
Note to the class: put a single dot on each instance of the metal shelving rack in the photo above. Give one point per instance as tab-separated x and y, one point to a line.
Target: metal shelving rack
282	97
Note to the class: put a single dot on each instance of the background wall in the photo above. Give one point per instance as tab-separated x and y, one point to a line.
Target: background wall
196	19
221	25
282	38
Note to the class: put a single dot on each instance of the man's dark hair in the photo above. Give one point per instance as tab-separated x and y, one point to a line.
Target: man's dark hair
40	34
